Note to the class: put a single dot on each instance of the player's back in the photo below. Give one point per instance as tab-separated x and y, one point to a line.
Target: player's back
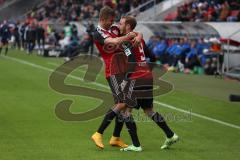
142	69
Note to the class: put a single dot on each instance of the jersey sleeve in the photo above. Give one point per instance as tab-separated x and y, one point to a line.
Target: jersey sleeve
131	60
99	36
148	53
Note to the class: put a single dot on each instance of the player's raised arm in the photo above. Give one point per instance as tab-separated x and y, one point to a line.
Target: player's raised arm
137	40
119	40
150	55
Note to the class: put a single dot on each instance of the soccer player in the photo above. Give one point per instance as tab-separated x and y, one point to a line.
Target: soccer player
40	36
144	82
31	37
106	42
5	36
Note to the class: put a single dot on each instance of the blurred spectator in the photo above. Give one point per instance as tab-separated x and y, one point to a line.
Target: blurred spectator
152	42
85	43
16	35
192	60
90	30
207	10
5	36
187	55
71	49
224	11
22	33
31	36
40	36
76	10
160	51
68	30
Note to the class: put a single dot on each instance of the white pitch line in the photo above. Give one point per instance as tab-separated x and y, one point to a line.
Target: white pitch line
104	86
198	115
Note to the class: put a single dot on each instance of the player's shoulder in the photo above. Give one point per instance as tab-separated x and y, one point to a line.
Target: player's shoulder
99	32
115	30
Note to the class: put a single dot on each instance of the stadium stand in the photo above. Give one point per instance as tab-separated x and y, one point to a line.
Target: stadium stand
80	9
184	47
4	3
206	10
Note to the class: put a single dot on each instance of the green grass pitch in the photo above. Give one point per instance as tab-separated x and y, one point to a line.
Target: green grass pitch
30	130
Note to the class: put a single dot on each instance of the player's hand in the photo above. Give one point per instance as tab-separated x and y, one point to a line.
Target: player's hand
123	84
131	35
136	41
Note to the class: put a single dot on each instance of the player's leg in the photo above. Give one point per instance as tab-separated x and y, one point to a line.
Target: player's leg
114	83
39	45
131	101
171	137
6	47
1	45
22	43
18	43
146	103
128	119
159	120
132	129
115	139
109	116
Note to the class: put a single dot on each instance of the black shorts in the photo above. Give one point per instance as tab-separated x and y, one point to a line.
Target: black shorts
4	41
125	96
144	93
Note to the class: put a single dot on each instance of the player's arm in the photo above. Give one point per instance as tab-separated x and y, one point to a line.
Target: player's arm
130	67
138	39
149	55
103	38
119	40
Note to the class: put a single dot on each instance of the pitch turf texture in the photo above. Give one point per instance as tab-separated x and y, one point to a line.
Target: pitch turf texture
30	130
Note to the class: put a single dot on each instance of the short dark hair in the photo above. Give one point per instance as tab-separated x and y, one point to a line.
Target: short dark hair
106	12
131	21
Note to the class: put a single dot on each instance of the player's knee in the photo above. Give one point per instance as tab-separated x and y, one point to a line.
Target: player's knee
149	112
121	106
127	116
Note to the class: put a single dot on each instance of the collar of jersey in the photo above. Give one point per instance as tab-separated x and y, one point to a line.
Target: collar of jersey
101	28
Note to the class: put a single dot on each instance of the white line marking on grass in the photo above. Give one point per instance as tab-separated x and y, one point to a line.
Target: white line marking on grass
157	102
198	115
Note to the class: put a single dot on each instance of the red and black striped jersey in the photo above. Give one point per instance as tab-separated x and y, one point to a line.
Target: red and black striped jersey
142	69
113	57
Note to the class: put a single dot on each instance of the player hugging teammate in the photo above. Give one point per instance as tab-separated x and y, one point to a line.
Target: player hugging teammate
124	53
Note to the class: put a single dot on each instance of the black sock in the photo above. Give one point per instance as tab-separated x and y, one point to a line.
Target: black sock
106	121
132	129
157	118
6	51
119	122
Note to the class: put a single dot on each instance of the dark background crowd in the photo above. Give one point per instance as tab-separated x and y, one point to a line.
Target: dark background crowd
207	10
187	55
77	10
178	54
